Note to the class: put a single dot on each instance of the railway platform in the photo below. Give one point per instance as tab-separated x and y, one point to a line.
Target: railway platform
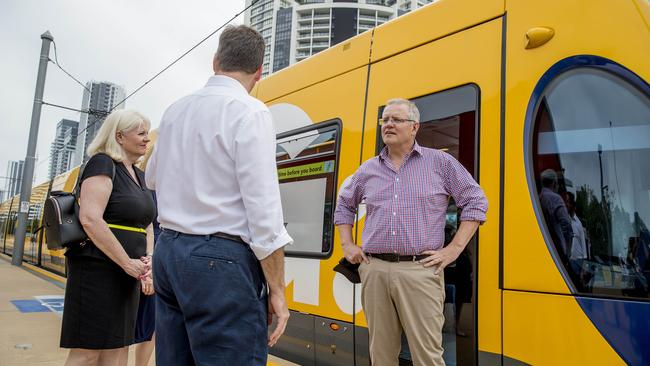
31	308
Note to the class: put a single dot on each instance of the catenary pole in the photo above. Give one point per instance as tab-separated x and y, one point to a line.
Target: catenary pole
30	158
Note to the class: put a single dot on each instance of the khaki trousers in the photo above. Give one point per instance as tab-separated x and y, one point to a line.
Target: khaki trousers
405	296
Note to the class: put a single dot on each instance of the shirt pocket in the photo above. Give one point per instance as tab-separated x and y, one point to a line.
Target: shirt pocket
377	197
431	199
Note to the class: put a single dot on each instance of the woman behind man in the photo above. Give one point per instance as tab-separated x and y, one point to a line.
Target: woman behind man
106	275
146	322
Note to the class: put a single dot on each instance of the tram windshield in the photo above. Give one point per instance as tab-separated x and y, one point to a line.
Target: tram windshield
591	148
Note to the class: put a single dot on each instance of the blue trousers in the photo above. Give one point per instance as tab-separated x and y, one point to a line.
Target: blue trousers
211	303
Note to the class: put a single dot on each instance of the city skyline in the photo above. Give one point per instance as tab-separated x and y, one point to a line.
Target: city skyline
297	29
123	42
63	147
99	96
127	50
13	177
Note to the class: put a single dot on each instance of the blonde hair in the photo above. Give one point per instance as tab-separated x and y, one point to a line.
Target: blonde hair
118	121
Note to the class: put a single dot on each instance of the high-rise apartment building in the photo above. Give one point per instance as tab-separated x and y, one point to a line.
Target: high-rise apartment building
103	96
296	29
63	147
14	177
404	6
262	17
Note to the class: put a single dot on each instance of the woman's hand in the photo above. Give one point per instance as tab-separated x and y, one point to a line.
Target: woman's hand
147	285
137	268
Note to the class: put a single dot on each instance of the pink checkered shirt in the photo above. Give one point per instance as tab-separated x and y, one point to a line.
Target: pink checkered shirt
406	209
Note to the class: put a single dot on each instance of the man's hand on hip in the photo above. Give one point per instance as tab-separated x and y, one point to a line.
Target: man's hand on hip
447	255
351	251
441	258
354	254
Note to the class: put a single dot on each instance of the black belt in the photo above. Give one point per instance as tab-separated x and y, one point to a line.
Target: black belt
231	237
236	238
394	257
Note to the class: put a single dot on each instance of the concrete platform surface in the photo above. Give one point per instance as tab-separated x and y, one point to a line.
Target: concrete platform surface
31	305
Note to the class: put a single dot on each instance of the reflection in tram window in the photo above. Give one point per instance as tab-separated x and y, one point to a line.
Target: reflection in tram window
556	214
591	147
306	160
35	247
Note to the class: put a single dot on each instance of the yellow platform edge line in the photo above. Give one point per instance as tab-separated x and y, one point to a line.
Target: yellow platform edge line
33	268
44	272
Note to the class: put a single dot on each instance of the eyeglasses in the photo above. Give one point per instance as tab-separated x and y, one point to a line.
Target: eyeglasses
397	121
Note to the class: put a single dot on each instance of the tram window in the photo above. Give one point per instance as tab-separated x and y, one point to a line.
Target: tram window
590	154
307	166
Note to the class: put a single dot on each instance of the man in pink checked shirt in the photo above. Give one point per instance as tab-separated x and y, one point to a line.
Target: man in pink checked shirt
406	189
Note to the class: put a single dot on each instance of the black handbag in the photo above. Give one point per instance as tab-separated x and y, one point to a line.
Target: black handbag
61	218
61	221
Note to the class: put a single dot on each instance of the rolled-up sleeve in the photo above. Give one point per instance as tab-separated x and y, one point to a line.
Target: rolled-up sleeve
257	175
348	201
469	196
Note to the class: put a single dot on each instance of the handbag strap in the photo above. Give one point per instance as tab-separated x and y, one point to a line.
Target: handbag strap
77	186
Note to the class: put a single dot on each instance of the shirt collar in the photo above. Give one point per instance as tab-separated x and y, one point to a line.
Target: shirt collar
225	81
383	154
417	148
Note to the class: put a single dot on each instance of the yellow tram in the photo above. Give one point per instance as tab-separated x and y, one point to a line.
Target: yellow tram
514	90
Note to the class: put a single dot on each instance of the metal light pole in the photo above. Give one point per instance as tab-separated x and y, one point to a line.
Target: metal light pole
30	158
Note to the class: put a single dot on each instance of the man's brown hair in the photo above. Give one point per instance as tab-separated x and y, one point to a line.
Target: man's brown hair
241	48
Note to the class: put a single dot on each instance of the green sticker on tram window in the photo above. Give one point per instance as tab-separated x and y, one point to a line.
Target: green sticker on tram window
306	170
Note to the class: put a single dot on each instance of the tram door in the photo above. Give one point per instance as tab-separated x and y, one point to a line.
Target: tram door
456	89
451	127
448	122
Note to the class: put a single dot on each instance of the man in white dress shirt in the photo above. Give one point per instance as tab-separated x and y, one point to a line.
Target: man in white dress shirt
214	172
579	249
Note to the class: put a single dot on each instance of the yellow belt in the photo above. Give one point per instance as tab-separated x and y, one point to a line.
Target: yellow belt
127	228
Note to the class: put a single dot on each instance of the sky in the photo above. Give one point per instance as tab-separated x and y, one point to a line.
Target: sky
121	41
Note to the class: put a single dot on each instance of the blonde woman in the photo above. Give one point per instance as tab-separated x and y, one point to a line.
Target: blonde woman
106	275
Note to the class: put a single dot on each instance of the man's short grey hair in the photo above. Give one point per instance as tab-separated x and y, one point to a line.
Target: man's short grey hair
414	113
241	48
548	177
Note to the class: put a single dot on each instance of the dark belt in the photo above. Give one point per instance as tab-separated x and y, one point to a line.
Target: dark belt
229	237
394	257
220	235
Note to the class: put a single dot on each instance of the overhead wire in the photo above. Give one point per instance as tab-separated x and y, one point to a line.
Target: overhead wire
184	54
56	62
102	113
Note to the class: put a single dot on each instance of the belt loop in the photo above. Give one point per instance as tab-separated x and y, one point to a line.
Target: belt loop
176	234
414	256
207	237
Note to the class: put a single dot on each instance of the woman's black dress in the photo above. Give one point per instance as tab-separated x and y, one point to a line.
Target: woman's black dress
145	325
101	300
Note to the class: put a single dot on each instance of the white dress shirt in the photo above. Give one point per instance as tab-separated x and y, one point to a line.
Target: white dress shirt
213	167
579	245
